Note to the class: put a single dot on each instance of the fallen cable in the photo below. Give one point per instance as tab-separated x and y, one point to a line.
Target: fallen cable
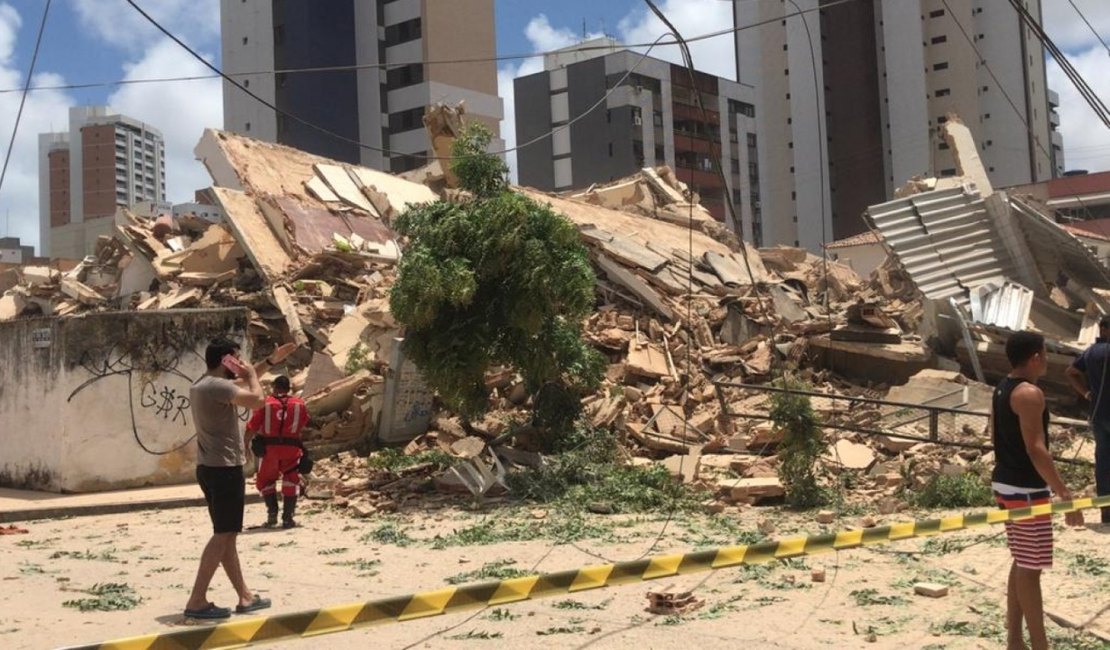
345	617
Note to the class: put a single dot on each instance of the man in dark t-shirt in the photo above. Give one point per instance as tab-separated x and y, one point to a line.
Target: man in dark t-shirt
1023	474
1088	375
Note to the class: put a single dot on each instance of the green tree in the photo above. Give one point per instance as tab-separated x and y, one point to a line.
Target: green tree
496	279
801	447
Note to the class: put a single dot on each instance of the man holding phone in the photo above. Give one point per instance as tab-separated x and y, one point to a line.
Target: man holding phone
229	383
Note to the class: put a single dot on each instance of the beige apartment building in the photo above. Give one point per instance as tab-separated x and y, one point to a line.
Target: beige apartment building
103	162
390	55
842	135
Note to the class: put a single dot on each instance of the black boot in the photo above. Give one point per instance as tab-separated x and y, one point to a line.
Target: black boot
290	507
271	510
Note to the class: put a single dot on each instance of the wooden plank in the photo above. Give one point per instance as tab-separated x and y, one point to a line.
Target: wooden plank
634	284
626	250
253	232
284	302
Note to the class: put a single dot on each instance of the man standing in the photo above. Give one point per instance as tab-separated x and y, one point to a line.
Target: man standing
228	384
1088	377
1023	473
278	425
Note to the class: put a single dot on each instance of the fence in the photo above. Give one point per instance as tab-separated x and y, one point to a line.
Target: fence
941	420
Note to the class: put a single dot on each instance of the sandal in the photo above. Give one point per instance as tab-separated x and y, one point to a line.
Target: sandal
256	604
210	612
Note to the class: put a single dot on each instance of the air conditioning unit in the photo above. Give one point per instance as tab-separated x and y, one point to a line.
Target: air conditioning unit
638	121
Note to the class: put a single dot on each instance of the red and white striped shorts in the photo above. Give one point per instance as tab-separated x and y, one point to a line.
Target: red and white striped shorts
1030	540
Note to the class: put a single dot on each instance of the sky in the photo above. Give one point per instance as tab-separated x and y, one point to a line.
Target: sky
90	41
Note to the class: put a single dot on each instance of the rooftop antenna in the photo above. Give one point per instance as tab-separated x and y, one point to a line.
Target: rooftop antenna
583	29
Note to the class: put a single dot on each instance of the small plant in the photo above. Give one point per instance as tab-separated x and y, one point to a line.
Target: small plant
801	448
393	459
388	533
496	570
107	555
107	597
332	551
577	605
358	359
868	597
967	490
363	568
500	614
474	635
574	629
1086	565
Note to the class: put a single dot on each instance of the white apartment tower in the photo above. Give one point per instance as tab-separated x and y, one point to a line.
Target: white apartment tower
390	56
103	162
844	134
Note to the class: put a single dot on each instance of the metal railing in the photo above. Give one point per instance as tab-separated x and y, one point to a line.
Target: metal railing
928	422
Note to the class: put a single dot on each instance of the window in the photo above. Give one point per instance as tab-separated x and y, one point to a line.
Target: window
943	146
244	40
406	120
246	83
406	75
751	139
942	119
941	66
248	126
610	149
279	34
936	14
402	32
943	92
939	39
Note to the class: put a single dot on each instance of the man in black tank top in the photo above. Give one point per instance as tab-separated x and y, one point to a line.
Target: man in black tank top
1023	473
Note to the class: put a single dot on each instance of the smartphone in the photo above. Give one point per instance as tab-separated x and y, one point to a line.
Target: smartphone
233	365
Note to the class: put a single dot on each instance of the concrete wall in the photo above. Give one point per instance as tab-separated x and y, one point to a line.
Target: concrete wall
101	401
862	259
247	35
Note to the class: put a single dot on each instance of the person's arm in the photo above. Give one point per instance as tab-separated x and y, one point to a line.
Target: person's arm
1028	403
252	429
1078	381
251	396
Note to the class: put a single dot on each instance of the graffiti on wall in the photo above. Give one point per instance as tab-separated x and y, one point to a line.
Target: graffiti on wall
157	391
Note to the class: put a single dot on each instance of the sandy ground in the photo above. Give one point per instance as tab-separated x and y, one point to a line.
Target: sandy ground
867	600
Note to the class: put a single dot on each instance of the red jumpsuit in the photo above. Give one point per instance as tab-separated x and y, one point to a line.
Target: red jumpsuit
281	417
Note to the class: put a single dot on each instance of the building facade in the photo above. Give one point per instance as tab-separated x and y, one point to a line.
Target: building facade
394	57
103	162
648	116
850	100
12	251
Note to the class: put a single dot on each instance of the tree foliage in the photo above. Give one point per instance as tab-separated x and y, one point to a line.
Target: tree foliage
801	447
495	280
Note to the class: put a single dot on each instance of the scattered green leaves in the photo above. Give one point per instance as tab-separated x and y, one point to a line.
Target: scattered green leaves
496	570
107	597
388	533
869	597
475	635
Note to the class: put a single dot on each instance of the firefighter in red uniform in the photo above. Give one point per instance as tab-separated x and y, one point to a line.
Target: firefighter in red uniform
278	426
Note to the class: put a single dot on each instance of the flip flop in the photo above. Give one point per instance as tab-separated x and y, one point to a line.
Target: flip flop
256	604
209	613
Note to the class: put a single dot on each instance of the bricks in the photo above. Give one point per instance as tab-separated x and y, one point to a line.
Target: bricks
817	575
930	589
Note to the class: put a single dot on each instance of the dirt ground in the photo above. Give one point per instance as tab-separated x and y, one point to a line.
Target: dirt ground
867	599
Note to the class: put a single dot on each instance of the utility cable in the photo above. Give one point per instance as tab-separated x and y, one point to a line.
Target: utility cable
1090	26
26	87
399	64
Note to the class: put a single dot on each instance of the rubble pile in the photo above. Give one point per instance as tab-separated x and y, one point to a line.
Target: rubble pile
306	246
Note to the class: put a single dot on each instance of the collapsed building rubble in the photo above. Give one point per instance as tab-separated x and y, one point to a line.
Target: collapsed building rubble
307	246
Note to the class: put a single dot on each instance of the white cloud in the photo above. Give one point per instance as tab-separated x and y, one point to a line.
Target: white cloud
1067	29
691	17
1086	138
120	26
44	111
180	110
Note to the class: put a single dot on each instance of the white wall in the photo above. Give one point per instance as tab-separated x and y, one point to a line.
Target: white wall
104	403
862	259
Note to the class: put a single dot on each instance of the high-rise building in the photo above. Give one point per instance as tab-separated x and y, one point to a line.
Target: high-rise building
103	162
850	99
394	59
648	116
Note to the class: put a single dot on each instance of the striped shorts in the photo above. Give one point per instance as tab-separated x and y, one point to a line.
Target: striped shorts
1030	540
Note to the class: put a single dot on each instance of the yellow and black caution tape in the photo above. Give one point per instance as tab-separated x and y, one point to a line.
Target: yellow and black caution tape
340	618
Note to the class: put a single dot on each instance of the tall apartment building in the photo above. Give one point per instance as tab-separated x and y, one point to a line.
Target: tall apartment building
394	51
650	117
104	161
844	134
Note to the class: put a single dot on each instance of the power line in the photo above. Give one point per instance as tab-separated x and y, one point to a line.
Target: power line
1090	26
399	64
23	99
1021	116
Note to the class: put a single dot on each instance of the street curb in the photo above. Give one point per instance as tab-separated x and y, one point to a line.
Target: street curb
31	514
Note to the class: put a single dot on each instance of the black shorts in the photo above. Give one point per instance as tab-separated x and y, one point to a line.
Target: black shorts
225	492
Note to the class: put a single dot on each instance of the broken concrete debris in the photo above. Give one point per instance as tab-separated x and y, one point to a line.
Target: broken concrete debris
307	245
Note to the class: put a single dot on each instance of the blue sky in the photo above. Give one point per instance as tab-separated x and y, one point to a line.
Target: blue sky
102	40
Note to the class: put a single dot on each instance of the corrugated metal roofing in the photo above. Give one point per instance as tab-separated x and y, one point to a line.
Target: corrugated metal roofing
945	240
